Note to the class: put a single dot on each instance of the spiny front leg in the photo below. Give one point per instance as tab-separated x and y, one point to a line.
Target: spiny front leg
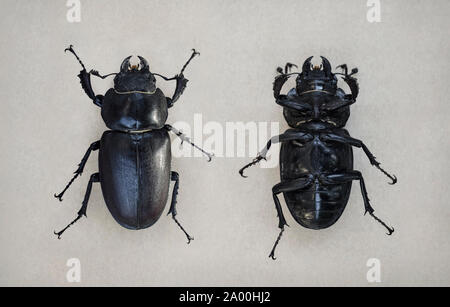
181	81
351	81
85	80
194	53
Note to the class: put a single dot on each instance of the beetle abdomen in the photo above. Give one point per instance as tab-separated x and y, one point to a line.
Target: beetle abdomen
319	206
135	175
134	111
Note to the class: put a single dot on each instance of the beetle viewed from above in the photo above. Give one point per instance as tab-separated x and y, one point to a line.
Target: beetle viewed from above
135	154
316	156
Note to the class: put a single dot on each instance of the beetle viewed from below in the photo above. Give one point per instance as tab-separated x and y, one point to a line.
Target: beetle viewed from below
135	154
316	156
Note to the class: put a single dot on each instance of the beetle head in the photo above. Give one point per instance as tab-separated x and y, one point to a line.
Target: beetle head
316	88
316	78
135	77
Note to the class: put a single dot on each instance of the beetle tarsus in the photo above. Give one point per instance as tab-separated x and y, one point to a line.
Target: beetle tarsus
59	234
194	53
70	49
389	229
392	177
184	138
60	195
82	212
181	227
272	253
254	162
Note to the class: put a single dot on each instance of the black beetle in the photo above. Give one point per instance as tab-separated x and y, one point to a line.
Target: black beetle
316	157
135	155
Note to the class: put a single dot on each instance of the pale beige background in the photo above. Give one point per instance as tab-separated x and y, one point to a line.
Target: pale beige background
47	123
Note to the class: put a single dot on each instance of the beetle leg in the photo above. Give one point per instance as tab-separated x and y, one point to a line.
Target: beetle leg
184	138
261	156
174	176
356	175
338	104
181	81
278	84
79	171
194	53
282	187
85	80
82	212
71	50
285	137
179	89
352	82
358	143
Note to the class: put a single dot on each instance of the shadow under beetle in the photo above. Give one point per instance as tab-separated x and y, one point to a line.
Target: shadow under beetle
316	157
135	155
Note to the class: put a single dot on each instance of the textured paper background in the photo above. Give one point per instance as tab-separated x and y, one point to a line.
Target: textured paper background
47	123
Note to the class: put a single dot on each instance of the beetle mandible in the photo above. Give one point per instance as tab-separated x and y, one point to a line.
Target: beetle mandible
316	157
135	154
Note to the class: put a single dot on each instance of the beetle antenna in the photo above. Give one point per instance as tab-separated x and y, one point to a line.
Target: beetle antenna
70	48
165	78
194	53
288	67
390	229
97	74
344	68
272	253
